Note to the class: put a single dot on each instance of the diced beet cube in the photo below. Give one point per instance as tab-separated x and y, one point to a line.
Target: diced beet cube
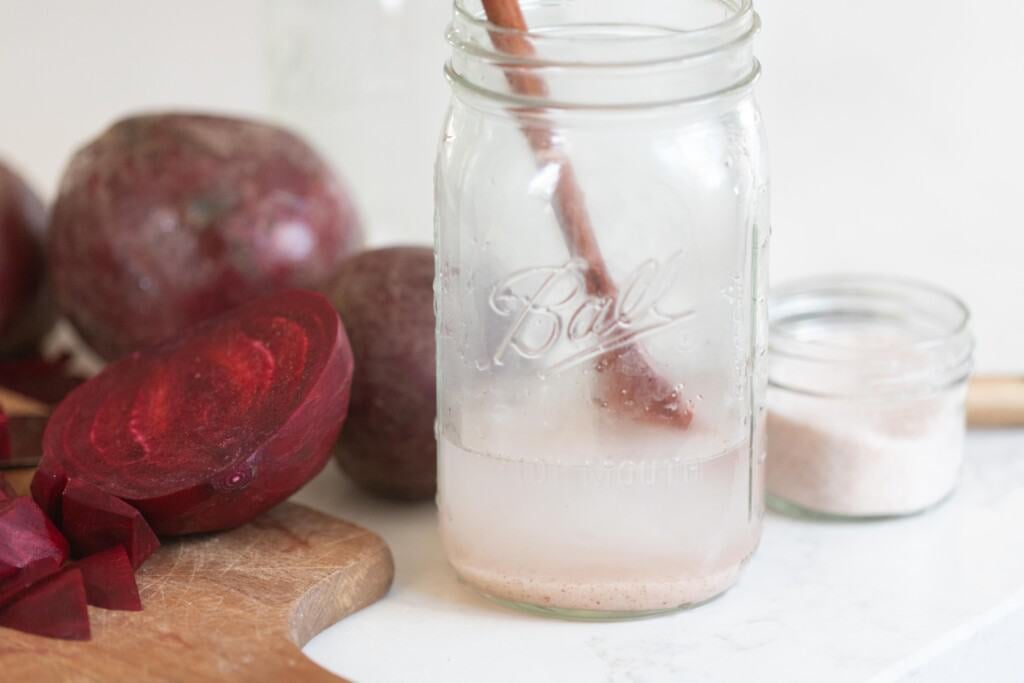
47	489
94	521
110	580
54	607
31	547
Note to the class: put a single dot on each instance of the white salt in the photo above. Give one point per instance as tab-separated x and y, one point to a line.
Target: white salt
867	456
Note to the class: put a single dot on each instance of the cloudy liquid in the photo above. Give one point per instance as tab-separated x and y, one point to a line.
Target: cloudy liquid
630	525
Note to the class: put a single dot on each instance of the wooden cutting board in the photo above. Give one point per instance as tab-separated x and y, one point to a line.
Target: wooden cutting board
235	606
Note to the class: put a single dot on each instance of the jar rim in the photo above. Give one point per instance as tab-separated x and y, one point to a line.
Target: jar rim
657	45
810	321
740	9
656	66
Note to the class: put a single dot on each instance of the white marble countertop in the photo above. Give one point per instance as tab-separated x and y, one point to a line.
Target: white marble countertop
936	598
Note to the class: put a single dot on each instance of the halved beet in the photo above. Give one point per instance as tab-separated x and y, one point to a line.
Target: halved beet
210	429
55	608
31	547
110	580
94	521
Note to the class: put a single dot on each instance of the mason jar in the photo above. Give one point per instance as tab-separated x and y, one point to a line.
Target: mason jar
601	234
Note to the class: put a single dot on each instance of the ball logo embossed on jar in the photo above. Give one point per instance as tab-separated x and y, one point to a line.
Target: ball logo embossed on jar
549	305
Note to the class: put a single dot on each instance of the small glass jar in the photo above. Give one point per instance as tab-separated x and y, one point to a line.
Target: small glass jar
867	384
601	233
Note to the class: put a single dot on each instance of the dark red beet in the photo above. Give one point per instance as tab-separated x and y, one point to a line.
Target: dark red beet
5	438
26	310
29	544
110	580
93	521
166	220
386	299
55	608
212	428
47	381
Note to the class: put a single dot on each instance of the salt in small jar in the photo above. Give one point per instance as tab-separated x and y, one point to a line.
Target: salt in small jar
866	397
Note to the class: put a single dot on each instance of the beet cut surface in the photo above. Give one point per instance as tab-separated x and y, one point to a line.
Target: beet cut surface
208	430
94	521
31	547
55	607
110	580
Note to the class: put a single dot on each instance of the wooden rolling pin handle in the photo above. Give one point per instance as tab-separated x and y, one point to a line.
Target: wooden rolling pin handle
995	402
16	404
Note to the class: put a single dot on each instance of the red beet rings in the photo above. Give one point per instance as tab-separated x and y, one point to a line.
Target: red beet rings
210	429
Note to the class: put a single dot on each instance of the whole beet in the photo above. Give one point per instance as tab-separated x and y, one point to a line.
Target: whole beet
385	298
26	312
169	219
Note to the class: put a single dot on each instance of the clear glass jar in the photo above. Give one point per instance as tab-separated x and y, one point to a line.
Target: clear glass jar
867	382
601	233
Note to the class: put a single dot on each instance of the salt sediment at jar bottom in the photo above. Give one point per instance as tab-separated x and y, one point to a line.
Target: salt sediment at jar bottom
863	457
639	594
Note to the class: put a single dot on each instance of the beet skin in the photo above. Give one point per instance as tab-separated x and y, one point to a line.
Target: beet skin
168	219
385	298
26	311
211	428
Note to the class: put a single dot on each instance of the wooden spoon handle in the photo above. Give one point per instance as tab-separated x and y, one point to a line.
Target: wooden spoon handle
996	401
630	385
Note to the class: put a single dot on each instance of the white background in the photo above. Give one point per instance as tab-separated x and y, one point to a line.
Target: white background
897	128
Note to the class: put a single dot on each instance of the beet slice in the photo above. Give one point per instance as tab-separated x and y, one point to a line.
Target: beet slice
5	438
94	520
47	381
31	547
110	580
210	429
55	608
